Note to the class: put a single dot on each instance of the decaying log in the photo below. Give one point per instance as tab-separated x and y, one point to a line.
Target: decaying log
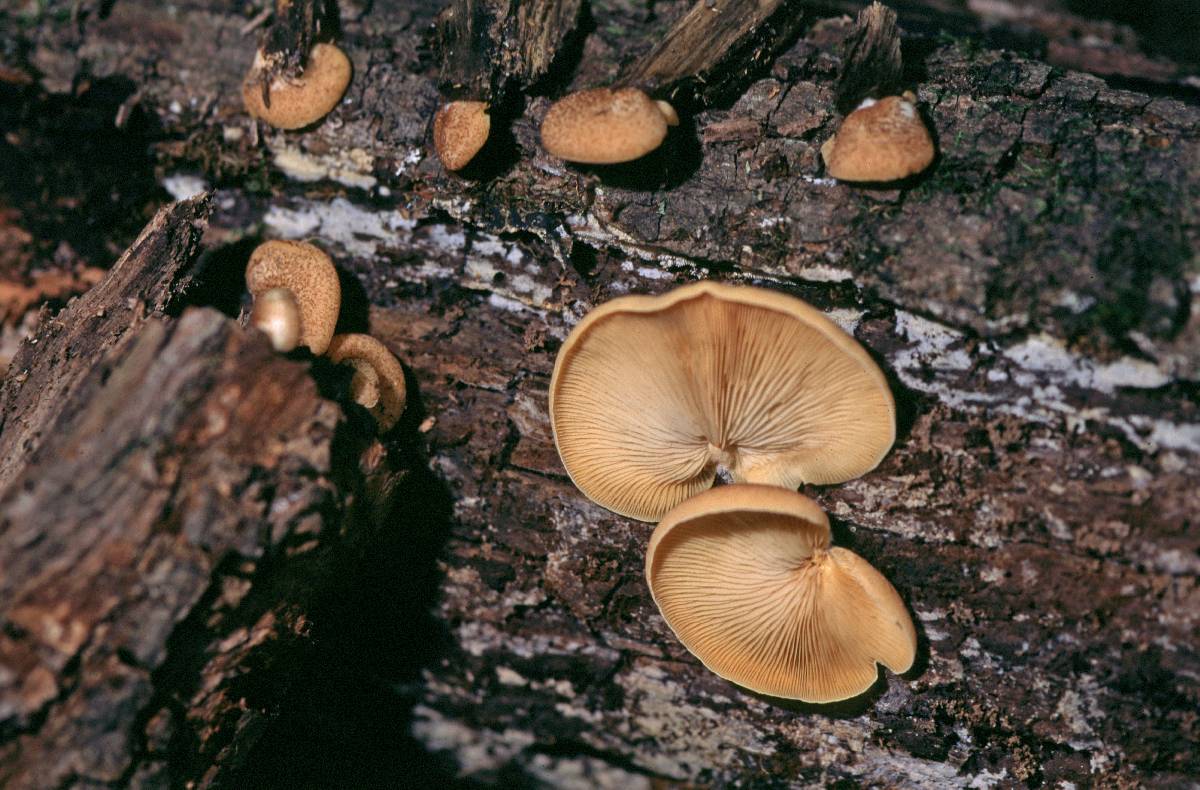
164	533
1033	299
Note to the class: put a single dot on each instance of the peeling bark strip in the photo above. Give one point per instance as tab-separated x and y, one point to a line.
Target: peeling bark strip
489	47
67	348
871	65
712	51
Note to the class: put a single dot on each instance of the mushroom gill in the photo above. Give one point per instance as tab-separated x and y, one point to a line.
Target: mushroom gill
650	395
746	579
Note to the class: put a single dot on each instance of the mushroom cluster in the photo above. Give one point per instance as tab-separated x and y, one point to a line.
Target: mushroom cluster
297	299
654	399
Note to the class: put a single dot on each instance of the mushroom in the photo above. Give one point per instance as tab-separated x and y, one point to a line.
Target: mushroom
298	102
883	140
378	382
604	126
652	395
459	130
280	272
746	579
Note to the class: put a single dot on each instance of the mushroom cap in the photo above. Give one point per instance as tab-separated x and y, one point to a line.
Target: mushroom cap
309	275
384	394
651	393
459	130
746	579
277	315
603	126
883	140
296	103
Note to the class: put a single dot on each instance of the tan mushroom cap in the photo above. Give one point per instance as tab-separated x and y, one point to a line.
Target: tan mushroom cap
650	394
883	140
378	382
745	577
460	129
603	126
296	103
308	274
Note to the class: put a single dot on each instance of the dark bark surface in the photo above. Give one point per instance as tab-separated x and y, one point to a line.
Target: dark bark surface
463	611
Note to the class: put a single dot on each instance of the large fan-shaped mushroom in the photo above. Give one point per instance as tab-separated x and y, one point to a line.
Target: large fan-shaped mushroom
745	577
650	395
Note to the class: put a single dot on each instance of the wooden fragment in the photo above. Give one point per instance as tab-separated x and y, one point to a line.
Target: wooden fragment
715	48
144	283
492	47
871	64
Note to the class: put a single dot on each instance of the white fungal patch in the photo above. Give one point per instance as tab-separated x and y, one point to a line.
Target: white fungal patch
907	110
689	738
182	186
866	103
359	231
845	318
475	750
1045	354
1035	386
352	168
820	273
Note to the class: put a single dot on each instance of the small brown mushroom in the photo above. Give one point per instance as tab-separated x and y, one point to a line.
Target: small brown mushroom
881	141
306	276
460	129
378	382
652	395
744	575
604	126
304	100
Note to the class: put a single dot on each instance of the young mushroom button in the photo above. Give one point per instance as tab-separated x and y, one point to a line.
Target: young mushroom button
292	281
651	395
881	141
604	126
744	575
298	102
460	130
378	383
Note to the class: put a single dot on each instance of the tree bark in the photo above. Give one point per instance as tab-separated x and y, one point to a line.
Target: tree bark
462	611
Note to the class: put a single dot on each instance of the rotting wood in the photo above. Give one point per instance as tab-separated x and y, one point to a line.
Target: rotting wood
170	530
871	65
491	49
712	51
143	284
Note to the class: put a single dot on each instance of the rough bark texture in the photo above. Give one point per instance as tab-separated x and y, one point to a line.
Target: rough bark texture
1035	300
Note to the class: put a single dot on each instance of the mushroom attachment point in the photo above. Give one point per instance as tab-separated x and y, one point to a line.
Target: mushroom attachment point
277	315
884	140
378	382
308	277
604	126
651	395
293	103
744	575
459	130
